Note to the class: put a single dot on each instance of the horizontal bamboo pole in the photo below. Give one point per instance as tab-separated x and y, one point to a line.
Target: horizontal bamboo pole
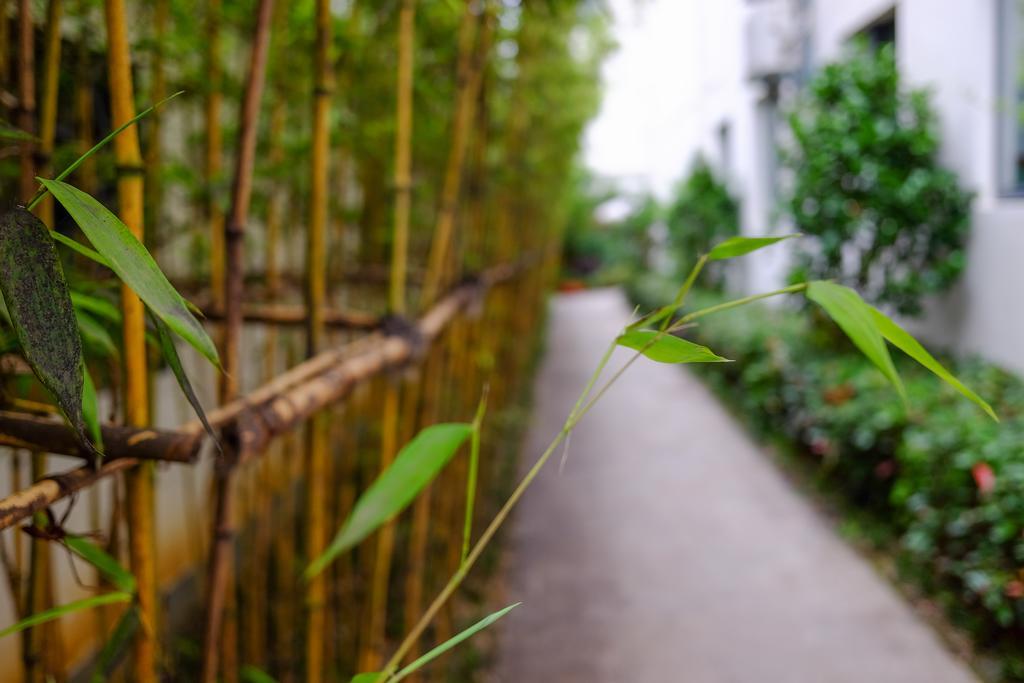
286	314
269	411
49	490
20	430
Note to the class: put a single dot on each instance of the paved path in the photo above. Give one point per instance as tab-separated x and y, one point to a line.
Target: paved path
670	550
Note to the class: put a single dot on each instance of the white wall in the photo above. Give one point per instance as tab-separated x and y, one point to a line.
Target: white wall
949	46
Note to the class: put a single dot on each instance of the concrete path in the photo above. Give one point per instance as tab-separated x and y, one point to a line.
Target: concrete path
671	550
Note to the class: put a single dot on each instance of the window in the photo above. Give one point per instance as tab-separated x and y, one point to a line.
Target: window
881	31
1010	105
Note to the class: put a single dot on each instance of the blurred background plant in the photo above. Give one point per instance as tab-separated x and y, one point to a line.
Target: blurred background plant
883	215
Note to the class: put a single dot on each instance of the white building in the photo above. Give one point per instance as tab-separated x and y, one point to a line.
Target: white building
754	54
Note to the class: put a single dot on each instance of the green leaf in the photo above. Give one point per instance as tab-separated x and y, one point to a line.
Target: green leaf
9	132
119	577
97	306
57	612
99	145
91	409
414	467
854	317
902	340
80	248
116	644
170	354
373	677
738	246
95	336
253	674
39	305
452	642
667	348
133	264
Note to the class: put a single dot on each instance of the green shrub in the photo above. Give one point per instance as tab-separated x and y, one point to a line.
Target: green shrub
940	479
884	216
702	214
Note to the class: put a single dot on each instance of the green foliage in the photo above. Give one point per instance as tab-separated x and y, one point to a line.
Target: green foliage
938	475
701	214
883	216
667	348
414	467
69	608
38	305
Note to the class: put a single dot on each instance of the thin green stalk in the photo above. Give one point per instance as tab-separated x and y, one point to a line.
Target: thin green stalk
684	290
735	303
471	477
577	414
41	192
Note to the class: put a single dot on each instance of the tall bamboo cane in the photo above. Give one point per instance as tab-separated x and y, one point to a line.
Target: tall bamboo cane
316	268
214	152
219	576
26	98
468	69
154	145
374	642
140	480
48	110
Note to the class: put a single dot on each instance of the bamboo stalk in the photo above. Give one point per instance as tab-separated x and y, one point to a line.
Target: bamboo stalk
26	98
316	258
39	643
374	640
469	69
281	404
86	176
214	150
48	111
139	480
287	314
220	573
154	143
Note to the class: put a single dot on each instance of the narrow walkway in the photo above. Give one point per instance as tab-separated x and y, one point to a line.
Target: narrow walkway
670	550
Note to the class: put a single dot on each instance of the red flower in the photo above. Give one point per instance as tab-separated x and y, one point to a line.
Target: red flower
1015	589
984	477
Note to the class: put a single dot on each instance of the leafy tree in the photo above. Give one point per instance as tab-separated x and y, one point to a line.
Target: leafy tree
885	217
702	214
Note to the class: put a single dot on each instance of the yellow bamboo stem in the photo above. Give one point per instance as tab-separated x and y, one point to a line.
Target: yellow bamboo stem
469	68
139	480
214	151
26	98
154	145
48	110
317	453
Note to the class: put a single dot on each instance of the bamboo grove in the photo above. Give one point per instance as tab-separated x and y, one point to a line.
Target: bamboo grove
365	201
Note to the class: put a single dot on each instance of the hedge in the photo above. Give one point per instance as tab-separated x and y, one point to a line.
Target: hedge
944	481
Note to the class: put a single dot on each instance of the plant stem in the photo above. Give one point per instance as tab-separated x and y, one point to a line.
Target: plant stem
735	303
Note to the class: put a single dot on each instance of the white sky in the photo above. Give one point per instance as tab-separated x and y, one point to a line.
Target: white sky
642	134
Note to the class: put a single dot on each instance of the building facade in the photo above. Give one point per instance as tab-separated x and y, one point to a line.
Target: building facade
756	54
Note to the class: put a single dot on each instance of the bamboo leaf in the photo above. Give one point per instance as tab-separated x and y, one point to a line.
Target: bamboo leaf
253	674
91	409
9	132
133	264
452	642
854	317
373	677
170	354
414	467
738	246
71	607
80	248
97	306
99	145
39	305
904	341
116	644
667	348
95	336
119	577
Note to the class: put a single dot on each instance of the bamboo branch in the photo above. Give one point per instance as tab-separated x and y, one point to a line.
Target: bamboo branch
219	574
